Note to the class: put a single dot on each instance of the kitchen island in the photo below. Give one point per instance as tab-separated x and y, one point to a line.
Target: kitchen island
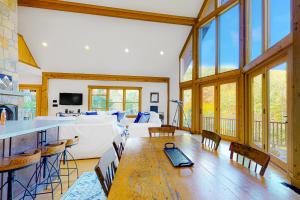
19	136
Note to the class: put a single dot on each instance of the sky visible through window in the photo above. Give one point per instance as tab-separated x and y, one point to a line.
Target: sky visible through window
229	40
256	33
280	20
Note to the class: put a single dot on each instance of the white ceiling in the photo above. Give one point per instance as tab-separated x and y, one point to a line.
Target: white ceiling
67	34
188	8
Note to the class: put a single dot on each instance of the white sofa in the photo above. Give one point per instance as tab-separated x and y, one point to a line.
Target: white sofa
141	129
96	134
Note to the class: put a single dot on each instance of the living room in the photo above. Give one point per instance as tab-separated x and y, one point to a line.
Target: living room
149	100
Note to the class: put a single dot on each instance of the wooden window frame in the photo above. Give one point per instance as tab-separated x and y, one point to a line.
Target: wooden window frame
108	88
263	69
38	89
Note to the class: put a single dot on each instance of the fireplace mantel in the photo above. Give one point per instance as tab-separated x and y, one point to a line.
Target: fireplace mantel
11	93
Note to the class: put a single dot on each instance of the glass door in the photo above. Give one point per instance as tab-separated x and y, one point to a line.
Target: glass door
186	116
228	109
257	110
208	108
277	111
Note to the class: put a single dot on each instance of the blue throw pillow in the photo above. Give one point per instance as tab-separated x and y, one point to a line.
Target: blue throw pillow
91	113
120	115
138	117
144	118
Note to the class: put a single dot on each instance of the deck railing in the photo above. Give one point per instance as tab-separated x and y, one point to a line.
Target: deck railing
277	136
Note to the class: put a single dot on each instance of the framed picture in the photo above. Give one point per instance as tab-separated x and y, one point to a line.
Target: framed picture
6	82
154	97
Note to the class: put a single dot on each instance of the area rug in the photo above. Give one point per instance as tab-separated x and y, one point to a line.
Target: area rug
87	187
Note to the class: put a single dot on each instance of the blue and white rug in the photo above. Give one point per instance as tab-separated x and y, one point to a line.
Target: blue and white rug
87	187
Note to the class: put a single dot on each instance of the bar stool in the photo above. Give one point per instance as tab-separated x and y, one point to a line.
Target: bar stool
67	156
12	164
47	171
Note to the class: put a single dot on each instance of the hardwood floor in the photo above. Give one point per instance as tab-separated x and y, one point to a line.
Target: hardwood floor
273	175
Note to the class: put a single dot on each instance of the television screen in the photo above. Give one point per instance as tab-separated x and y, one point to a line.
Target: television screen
70	99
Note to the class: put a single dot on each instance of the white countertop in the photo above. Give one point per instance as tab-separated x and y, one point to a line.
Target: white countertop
22	127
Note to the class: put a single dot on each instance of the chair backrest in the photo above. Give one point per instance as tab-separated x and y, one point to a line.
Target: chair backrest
211	139
54	148
25	159
106	169
252	154
119	146
161	131
72	142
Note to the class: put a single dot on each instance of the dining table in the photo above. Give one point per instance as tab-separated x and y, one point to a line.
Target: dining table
145	172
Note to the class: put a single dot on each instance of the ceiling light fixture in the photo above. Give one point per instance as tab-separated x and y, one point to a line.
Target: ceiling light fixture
87	47
45	44
126	50
161	53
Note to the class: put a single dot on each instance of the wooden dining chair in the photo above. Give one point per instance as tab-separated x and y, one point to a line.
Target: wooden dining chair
254	155
161	131
211	139
106	169
119	145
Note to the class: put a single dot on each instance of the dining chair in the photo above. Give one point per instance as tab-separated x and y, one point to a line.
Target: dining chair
106	169
161	131
211	139
119	145
254	155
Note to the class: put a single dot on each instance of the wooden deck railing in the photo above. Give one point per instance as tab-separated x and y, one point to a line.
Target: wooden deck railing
277	130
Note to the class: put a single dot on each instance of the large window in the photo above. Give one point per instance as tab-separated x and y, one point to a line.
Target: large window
207	49
221	35
269	18
104	98
208	108
186	62
229	40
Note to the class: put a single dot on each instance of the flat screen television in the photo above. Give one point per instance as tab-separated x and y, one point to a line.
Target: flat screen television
70	99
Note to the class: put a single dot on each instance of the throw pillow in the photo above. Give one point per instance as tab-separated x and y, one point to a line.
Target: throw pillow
91	113
138	117
144	118
120	115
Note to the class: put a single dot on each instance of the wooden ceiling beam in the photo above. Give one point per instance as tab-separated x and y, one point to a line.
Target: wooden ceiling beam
107	11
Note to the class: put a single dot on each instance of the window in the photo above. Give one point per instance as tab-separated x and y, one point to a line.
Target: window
229	40
31	105
228	109
256	29
271	18
207	49
186	63
280	20
105	98
221	2
208	108
187	107
132	102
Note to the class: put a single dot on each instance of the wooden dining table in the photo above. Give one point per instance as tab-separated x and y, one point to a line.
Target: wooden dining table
145	172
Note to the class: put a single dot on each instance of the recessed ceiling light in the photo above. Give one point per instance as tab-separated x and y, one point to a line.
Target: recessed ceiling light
126	50
45	44
87	47
161	53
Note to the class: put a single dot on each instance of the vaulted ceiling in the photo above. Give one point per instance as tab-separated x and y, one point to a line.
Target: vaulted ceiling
185	8
68	33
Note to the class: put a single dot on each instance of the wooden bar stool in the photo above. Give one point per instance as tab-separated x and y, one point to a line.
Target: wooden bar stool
67	157
48	169
12	164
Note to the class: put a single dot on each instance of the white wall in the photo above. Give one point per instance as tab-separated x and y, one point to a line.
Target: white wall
68	33
57	86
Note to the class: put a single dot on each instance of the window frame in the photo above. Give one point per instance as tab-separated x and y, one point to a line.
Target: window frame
108	88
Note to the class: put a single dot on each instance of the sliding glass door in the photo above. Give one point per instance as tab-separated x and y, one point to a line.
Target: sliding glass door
268	110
